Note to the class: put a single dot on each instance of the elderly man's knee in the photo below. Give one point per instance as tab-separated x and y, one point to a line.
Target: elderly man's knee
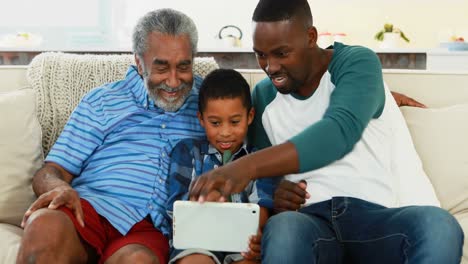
46	232
142	255
51	223
133	254
196	259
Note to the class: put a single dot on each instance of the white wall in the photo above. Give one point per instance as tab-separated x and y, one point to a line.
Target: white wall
426	22
208	15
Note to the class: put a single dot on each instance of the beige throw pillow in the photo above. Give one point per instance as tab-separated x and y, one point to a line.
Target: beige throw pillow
20	153
441	139
414	186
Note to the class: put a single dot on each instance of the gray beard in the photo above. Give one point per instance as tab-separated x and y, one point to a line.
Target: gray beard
172	104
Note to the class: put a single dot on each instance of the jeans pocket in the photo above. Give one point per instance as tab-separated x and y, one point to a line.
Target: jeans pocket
354	218
339	206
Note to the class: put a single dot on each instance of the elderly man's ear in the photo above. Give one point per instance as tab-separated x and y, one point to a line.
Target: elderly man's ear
139	64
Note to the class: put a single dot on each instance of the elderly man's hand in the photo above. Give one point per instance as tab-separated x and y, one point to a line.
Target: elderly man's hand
60	196
290	196
403	100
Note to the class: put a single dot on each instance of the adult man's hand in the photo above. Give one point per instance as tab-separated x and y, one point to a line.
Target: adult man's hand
403	100
289	196
60	196
218	184
233	177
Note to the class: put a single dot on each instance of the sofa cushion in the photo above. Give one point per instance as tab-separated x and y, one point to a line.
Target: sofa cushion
463	220
20	153
10	242
440	137
407	164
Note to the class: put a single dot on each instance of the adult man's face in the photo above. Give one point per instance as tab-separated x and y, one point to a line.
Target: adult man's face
283	51
166	67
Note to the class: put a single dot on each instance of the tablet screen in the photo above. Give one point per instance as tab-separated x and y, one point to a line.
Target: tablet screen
214	226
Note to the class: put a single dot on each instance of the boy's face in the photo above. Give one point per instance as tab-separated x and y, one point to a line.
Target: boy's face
226	121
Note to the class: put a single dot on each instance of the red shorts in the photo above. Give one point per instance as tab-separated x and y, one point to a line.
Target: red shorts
106	240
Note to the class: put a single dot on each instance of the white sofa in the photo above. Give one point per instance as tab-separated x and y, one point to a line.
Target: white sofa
35	102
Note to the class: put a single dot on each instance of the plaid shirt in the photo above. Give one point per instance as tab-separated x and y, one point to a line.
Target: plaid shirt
191	158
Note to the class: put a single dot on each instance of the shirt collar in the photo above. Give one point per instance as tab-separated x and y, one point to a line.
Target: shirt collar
243	150
137	86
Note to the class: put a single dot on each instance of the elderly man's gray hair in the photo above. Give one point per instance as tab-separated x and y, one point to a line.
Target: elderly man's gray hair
166	21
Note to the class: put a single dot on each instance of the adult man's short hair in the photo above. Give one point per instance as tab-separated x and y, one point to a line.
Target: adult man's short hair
280	10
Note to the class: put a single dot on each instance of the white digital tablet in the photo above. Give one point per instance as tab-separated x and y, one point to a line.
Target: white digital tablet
214	226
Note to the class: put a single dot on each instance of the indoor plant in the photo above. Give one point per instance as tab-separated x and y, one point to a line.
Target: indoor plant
390	36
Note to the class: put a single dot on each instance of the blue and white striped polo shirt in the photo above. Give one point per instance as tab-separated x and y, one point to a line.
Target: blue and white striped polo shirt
117	143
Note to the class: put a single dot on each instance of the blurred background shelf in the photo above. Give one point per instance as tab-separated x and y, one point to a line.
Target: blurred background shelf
244	58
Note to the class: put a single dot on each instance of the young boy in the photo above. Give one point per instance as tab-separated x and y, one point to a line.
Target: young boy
225	111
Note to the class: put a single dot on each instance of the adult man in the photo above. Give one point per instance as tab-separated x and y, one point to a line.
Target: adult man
329	119
102	190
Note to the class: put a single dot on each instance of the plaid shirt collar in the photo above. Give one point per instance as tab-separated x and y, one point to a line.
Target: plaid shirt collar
243	150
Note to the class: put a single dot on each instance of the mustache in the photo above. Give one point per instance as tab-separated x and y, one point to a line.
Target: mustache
277	74
169	89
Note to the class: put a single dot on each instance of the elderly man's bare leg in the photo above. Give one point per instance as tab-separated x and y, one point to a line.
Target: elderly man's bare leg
133	253
50	237
196	259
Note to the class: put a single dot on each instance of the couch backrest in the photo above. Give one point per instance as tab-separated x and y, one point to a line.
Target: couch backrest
12	78
60	80
438	90
435	89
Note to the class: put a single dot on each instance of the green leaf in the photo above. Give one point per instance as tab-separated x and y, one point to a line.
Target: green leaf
380	35
402	35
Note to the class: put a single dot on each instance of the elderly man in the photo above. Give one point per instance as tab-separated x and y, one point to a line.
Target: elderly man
102	189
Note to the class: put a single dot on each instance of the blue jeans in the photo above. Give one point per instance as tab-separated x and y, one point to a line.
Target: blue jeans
350	230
